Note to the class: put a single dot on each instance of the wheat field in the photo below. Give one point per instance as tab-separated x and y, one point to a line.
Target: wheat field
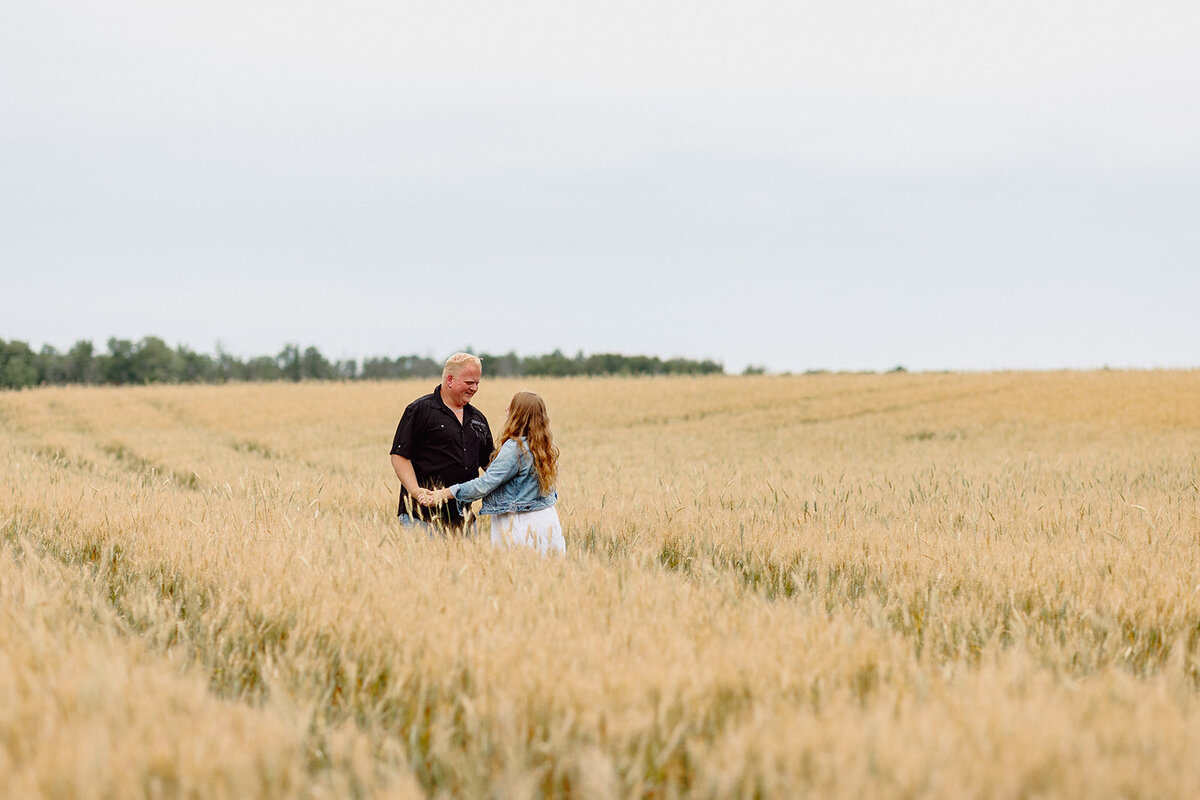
844	586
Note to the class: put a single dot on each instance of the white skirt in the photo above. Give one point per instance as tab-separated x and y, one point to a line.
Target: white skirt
540	530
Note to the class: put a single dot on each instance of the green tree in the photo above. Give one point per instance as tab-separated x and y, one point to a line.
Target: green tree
314	366
118	365
603	364
51	366
553	365
261	368
228	367
81	363
644	365
289	362
195	367
18	365
505	366
382	368
154	362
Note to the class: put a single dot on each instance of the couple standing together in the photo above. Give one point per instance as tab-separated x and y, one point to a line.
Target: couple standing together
442	443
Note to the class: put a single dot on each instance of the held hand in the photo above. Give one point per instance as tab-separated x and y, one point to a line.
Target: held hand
436	498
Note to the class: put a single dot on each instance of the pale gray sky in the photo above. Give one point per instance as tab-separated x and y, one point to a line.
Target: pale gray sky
850	185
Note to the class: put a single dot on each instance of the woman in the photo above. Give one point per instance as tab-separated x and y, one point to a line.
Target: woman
518	486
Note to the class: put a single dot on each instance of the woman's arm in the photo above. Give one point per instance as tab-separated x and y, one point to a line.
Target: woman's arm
503	467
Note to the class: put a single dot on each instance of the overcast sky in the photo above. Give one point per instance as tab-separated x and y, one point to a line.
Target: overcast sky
798	185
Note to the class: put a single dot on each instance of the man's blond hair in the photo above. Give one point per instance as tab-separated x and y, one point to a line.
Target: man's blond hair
456	362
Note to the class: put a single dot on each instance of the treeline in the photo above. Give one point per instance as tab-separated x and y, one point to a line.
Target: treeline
152	361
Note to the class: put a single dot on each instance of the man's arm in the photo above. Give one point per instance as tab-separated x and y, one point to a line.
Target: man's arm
407	475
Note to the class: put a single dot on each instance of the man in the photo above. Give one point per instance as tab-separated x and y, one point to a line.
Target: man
441	440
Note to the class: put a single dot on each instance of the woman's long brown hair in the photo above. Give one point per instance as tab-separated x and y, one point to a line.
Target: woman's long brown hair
527	417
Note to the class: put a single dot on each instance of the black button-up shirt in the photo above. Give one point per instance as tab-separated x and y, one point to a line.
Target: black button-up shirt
442	450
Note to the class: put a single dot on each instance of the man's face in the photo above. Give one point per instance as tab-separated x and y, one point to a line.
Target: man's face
462	387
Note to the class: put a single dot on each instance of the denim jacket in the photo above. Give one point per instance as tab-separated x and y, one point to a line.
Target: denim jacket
509	484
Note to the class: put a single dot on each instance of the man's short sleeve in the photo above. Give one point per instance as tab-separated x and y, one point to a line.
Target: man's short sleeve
408	432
